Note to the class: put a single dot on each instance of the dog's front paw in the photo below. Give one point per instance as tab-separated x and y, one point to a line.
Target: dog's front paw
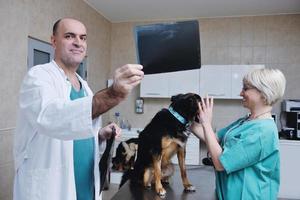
189	188
161	192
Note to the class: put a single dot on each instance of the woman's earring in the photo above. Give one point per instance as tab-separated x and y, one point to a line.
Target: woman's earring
265	100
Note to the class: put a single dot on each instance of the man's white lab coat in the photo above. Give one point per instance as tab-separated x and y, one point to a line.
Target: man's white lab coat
48	122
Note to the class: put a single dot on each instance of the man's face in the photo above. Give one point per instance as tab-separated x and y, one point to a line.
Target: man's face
69	42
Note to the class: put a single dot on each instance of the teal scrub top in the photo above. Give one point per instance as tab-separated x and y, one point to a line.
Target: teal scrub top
251	161
83	152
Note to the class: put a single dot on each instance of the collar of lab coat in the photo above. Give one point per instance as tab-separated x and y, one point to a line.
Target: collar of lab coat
84	83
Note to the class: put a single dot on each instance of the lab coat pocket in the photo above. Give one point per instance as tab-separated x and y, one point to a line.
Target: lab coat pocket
46	184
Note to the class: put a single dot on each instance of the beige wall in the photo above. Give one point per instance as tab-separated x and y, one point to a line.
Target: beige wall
270	40
20	19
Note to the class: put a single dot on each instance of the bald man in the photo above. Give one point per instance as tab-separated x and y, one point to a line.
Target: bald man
59	122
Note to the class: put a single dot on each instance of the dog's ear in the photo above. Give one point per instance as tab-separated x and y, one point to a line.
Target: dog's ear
190	106
198	97
176	97
126	147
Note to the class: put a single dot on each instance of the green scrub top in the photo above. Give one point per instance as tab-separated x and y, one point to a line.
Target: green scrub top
83	153
251	161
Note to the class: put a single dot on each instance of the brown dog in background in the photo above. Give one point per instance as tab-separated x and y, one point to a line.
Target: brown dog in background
125	155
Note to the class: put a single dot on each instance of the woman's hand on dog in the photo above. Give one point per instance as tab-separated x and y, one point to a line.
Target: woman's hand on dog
206	110
107	131
204	116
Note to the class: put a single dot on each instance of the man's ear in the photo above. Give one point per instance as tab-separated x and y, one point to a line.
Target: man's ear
53	41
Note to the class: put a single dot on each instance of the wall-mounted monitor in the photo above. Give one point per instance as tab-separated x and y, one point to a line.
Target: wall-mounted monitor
168	47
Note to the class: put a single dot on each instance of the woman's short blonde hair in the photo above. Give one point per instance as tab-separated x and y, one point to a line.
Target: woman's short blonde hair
270	82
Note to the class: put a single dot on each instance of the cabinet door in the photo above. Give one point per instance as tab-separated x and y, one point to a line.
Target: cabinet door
289	169
154	85
237	74
215	80
184	81
192	156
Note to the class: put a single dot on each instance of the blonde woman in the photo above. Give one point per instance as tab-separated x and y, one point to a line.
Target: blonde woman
245	154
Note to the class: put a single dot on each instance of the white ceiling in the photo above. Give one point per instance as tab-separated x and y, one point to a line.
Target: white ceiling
145	10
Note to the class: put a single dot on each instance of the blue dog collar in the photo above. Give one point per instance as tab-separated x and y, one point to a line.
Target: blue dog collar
177	115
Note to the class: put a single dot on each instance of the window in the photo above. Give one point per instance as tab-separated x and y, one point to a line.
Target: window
39	52
82	69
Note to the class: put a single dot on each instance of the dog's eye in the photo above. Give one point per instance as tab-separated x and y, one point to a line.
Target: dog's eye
197	119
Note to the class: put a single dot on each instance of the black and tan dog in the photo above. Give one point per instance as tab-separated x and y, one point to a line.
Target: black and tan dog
125	155
162	138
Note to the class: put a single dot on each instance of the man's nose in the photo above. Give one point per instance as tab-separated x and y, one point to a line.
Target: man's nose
77	41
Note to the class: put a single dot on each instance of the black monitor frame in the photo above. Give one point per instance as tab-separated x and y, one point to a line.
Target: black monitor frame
168	47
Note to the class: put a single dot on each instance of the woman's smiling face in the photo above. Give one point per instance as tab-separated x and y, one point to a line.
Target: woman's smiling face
251	96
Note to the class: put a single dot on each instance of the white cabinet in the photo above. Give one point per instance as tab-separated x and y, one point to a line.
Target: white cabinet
237	75
155	85
184	81
215	80
289	169
219	81
165	85
192	156
223	81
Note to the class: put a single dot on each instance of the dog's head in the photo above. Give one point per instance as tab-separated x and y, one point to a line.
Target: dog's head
186	105
125	155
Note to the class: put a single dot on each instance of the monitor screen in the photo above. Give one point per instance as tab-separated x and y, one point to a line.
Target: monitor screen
168	47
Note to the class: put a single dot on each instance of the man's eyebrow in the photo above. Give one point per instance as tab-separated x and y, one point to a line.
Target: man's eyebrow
69	33
73	34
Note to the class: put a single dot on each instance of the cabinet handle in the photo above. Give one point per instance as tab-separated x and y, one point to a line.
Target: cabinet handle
153	93
216	95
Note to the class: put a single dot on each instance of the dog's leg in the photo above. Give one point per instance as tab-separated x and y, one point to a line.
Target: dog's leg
157	176
167	171
181	160
147	178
